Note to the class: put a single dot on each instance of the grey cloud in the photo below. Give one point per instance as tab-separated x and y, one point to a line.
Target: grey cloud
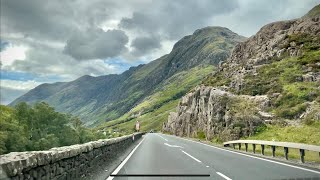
96	44
167	20
174	19
3	45
36	18
53	20
46	61
143	45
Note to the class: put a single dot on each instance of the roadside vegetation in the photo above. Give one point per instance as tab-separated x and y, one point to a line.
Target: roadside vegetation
40	127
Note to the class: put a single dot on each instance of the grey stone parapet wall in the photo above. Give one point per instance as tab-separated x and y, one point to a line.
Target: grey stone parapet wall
68	162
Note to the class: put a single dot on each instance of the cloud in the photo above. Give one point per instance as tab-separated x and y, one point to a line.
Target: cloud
36	18
42	61
96	44
11	89
251	15
143	45
175	19
11	53
62	40
7	95
3	45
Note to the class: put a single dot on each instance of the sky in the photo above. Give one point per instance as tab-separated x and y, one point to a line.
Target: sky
45	41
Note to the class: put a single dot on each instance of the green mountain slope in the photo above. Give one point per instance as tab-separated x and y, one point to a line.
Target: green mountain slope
104	98
270	83
154	109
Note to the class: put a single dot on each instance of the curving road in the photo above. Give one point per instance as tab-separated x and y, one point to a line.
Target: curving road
160	156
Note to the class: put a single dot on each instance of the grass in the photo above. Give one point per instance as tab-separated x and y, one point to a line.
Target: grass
306	134
154	109
148	121
283	75
310	156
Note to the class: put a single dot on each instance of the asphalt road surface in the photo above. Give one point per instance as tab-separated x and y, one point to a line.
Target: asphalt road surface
160	156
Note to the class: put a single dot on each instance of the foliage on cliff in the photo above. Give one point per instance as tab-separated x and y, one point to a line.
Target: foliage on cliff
286	77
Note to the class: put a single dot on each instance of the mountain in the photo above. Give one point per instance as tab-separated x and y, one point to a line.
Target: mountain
271	80
104	98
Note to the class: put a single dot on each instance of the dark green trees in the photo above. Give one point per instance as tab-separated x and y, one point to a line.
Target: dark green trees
40	127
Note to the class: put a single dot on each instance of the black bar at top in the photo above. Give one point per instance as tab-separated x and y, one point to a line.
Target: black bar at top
160	175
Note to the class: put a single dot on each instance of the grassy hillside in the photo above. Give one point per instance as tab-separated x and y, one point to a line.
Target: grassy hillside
100	99
154	109
308	134
283	79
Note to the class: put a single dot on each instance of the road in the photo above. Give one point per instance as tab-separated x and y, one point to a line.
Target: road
159	154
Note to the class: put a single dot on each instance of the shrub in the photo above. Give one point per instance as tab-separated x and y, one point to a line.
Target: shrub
201	135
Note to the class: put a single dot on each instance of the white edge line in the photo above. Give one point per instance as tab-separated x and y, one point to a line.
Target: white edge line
224	176
297	167
124	162
191	156
162	137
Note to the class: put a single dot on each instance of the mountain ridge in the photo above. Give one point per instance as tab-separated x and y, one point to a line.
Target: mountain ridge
103	98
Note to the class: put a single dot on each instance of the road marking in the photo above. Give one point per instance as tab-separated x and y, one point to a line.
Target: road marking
297	167
191	156
172	145
124	162
224	176
207	166
162	137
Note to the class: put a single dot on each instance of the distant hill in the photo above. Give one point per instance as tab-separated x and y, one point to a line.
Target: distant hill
104	98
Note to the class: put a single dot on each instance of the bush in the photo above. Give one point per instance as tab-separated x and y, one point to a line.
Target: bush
201	135
291	112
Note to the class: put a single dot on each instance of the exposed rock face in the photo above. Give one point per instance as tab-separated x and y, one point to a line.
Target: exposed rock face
212	111
272	41
221	114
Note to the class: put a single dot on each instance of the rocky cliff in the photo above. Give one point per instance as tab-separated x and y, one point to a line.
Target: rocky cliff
273	76
217	113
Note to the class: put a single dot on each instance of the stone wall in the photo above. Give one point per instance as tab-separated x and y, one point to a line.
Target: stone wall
78	161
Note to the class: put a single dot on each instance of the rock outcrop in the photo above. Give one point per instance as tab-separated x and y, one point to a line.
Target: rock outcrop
271	42
216	112
223	111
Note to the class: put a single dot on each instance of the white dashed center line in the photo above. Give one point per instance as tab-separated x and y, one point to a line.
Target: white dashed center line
191	156
172	145
162	137
224	176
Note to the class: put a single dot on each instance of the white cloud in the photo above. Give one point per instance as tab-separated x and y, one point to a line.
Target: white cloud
11	89
38	31
19	85
12	53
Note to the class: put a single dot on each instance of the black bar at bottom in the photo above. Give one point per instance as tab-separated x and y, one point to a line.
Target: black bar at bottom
160	175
